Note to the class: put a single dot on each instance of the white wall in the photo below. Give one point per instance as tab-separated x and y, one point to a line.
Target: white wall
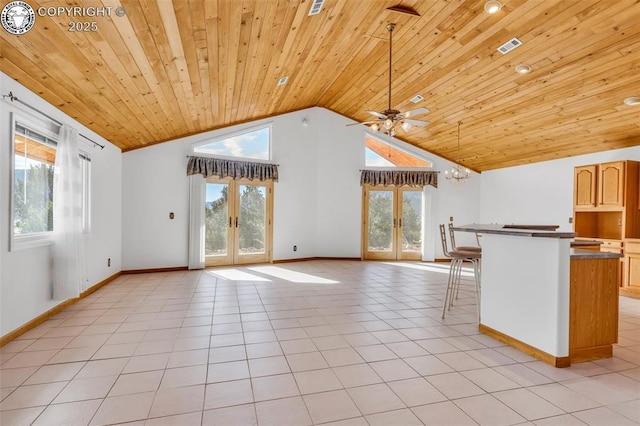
317	200
539	193
25	277
340	153
155	184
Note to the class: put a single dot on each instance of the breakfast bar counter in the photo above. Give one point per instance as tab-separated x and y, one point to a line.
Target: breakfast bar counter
555	303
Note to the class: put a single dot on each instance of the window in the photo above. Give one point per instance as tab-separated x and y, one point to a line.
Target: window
254	144
34	156
379	153
34	159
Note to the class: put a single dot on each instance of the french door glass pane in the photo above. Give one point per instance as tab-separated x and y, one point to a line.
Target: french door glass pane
411	221
252	216
380	232
216	209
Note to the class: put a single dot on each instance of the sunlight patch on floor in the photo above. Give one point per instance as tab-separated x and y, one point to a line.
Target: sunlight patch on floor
292	276
233	274
432	267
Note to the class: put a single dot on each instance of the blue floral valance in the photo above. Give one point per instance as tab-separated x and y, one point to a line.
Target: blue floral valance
399	178
233	169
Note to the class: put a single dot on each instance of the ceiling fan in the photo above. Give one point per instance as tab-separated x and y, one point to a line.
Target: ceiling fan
389	119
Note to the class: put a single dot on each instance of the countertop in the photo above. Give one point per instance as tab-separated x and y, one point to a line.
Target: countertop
590	243
499	229
590	254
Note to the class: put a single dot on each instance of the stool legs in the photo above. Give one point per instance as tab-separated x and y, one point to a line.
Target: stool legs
453	283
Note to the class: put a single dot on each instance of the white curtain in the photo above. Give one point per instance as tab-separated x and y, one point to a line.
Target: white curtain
196	221
68	265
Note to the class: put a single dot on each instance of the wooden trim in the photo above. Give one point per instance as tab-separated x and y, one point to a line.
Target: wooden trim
54	311
304	259
589	354
559	362
151	270
629	292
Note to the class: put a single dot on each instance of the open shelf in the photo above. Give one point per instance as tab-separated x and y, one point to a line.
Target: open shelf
607	225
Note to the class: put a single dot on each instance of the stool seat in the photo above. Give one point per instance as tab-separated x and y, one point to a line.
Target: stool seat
469	248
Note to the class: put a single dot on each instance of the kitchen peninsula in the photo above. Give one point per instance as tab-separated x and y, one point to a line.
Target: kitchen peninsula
539	295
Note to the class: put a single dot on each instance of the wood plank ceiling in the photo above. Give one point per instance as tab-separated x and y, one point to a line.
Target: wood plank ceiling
173	68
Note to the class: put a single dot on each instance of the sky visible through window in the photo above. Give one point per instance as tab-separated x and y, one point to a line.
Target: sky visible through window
374	160
213	192
251	145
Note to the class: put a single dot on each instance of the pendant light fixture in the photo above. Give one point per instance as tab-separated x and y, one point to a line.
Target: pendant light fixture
458	173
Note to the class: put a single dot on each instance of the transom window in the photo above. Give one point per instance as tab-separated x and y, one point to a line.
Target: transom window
379	153
254	144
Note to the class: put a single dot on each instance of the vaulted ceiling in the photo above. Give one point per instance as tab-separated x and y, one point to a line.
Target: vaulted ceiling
168	69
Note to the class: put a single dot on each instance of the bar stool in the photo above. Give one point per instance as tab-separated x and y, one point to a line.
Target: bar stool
458	257
455	247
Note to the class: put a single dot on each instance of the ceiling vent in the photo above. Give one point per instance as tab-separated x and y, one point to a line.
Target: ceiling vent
315	7
417	98
283	81
509	46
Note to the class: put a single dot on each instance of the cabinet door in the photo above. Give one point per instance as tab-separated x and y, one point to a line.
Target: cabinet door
611	184
584	196
632	269
632	281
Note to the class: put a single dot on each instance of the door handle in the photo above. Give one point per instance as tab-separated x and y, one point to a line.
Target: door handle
400	223
395	221
236	221
230	222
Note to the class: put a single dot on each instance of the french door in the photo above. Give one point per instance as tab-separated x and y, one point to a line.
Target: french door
238	217
392	223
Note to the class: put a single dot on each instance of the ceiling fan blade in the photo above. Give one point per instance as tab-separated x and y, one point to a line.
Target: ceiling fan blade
414	112
377	114
364	122
419	123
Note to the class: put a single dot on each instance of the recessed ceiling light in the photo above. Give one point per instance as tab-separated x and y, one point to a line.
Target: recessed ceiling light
632	101
523	69
492	6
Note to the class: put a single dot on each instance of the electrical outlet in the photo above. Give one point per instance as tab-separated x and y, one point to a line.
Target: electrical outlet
570	220
295	248
451	219
109	262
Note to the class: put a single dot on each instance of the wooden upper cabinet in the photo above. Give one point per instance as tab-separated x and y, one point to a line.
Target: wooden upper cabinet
599	186
584	196
611	184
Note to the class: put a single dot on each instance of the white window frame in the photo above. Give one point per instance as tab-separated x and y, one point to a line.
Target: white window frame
40	239
393	143
240	132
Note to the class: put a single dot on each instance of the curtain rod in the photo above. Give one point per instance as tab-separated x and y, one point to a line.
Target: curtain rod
229	159
401	170
13	98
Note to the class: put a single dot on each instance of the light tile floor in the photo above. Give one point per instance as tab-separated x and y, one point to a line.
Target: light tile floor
314	342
